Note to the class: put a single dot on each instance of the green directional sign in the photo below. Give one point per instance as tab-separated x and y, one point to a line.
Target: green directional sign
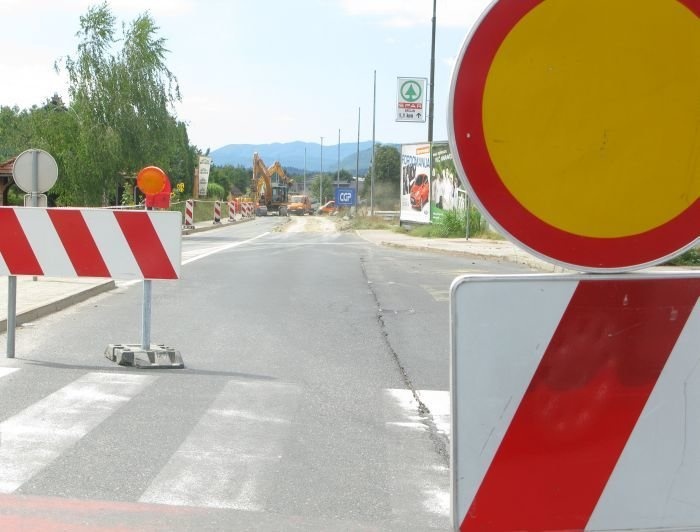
411	104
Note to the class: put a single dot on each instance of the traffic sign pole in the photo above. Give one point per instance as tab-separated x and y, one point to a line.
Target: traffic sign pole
34	171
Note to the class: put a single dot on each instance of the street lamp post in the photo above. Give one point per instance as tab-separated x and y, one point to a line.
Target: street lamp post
320	179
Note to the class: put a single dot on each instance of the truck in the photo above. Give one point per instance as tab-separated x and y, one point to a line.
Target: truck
270	197
300	204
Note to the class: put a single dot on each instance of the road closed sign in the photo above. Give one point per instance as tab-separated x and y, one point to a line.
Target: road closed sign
574	125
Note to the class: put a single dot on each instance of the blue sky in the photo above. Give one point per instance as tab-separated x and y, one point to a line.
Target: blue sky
261	71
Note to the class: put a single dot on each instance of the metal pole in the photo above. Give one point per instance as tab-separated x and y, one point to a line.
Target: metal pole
11	314
432	83
146	315
35	178
304	169
374	151
320	179
357	165
469	209
337	179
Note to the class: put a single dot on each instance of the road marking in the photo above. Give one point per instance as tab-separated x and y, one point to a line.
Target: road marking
217	249
7	371
37	435
425	486
232	451
437	294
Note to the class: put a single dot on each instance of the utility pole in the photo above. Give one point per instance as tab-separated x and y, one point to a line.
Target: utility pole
431	105
374	151
320	181
357	166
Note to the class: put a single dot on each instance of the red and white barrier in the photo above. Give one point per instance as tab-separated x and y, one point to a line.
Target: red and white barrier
581	415
217	212
232	211
63	242
247	209
189	213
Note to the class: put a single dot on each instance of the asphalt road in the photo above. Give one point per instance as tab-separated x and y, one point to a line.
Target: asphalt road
314	395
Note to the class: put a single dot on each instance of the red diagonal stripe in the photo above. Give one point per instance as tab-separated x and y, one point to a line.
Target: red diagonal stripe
14	246
145	245
581	406
78	242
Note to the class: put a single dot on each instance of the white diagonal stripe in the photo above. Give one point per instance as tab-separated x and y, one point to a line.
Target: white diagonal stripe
237	442
37	435
112	244
168	228
654	483
4	270
45	242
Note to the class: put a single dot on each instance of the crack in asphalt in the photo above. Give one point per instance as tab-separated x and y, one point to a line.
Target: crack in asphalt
439	440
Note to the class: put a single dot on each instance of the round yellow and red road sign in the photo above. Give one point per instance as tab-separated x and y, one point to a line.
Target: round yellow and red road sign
576	127
151	180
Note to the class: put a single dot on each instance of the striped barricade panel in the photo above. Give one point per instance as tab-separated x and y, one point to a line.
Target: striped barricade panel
66	242
574	402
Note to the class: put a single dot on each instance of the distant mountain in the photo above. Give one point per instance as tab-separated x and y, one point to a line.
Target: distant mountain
291	156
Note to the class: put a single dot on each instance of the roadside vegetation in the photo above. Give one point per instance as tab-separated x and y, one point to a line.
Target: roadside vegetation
453	224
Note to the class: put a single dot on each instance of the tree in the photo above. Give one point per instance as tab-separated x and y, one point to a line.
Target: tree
387	173
123	106
315	188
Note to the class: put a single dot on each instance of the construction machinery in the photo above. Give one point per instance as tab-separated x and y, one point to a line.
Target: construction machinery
270	197
300	204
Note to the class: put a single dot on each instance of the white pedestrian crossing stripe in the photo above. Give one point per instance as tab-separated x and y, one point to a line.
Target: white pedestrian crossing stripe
37	435
232	456
7	371
425	487
237	441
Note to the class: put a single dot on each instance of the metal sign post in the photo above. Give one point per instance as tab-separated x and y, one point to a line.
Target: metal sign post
146	315
34	171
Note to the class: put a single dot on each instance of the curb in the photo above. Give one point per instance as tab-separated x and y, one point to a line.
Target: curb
200	228
516	259
58	304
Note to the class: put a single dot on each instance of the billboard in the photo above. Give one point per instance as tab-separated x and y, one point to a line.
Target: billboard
429	183
204	165
446	194
415	183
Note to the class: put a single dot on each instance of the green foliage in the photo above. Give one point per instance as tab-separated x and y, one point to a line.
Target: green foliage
315	188
689	258
229	176
120	118
453	224
387	168
216	191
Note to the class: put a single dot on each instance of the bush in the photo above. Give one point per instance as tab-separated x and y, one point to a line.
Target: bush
215	191
689	258
453	224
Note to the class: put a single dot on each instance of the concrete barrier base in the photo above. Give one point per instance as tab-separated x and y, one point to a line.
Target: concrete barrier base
158	356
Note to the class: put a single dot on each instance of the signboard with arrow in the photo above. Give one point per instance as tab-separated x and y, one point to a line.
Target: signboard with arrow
411	100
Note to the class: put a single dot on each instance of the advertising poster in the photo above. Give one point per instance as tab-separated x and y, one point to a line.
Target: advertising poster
415	183
445	194
204	165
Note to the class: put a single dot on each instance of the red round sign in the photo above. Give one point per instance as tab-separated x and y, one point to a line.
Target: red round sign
574	125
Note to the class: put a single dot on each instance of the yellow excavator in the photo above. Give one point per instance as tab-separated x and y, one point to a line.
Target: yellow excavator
270	197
